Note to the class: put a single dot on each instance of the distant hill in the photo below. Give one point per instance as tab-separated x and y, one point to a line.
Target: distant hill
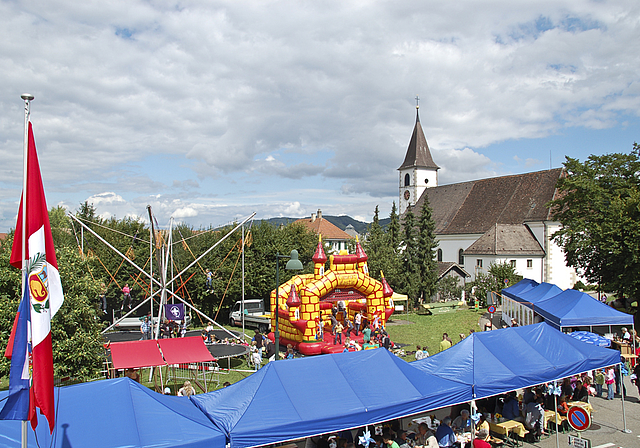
339	221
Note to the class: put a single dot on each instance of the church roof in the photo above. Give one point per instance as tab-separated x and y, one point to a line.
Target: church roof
474	207
506	239
418	153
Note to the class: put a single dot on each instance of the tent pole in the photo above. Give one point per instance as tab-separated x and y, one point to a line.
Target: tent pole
555	409
624	417
474	411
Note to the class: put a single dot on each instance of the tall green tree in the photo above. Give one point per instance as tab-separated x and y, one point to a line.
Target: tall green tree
598	206
394	227
426	253
412	284
381	253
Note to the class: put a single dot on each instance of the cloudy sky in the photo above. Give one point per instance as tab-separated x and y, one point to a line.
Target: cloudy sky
211	110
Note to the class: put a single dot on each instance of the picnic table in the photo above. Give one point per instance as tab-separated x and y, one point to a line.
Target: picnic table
507	428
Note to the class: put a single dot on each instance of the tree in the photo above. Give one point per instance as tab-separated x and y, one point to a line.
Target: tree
598	205
426	253
75	329
409	256
381	254
394	228
494	280
449	288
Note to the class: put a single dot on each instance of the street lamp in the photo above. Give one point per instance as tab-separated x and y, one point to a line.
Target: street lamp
292	265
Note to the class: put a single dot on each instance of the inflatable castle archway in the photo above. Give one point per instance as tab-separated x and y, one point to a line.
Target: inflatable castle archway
307	299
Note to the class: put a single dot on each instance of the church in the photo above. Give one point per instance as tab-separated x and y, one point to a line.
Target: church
497	220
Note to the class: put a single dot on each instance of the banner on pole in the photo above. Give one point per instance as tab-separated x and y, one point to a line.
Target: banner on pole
174	311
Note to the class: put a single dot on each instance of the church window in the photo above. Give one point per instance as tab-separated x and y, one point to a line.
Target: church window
439	254
479	262
461	257
407	180
512	263
529	264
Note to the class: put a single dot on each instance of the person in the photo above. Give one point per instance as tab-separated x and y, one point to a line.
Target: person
167	391
183	328
529	395
357	320
488	326
419	353
387	438
133	374
580	393
256	357
259	342
319	329
348	327
270	348
289	354
481	440
334	318
534	416
599	382
636	380
226	384
366	335
126	292
610	379
510	409
462	422
209	283
166	330
514	322
626	336
445	343
566	388
145	328
401	439
483	424
337	335
444	433
563	407
186	390
425	437
102	298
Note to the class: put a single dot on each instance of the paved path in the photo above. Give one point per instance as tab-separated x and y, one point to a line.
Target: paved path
607	428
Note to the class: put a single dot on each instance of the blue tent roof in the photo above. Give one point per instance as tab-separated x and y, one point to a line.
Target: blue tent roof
499	361
301	397
541	292
118	413
573	308
522	286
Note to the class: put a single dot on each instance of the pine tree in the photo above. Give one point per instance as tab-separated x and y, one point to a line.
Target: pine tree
426	253
409	257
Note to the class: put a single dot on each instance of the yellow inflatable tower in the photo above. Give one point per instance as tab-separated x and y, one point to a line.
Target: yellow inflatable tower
305	302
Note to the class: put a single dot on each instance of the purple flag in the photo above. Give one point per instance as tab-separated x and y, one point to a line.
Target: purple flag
174	311
17	405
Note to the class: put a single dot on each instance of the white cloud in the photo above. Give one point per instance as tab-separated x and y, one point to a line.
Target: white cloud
213	101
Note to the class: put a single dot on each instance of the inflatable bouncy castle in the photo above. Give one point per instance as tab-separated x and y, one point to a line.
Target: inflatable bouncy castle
305	302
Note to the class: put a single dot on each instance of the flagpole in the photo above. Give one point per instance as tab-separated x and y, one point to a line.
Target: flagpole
27	97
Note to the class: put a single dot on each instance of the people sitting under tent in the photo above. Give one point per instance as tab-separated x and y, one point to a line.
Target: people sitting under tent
580	393
481	441
511	409
534	417
462	422
444	434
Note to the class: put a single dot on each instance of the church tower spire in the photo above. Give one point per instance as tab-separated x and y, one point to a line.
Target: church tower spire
418	171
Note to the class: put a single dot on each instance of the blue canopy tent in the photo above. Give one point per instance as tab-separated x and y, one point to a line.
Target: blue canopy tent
287	400
573	308
523	285
115	413
541	292
499	361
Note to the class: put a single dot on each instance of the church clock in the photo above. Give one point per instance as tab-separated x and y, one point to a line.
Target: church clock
407	195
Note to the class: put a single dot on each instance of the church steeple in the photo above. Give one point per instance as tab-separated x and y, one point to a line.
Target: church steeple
418	171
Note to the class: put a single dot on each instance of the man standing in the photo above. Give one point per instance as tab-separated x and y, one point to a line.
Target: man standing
337	336
145	328
445	343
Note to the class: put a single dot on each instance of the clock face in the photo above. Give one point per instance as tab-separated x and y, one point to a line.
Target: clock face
407	195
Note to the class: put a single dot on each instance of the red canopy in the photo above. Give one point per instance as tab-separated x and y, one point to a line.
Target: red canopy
135	354
185	350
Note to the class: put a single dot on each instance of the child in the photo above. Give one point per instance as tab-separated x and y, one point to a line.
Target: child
256	358
599	382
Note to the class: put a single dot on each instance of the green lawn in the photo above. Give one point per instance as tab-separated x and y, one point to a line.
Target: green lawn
427	330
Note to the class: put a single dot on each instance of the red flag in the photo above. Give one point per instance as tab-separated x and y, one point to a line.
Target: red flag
45	288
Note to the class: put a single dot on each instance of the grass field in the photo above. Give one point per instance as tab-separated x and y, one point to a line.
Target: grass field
408	329
427	330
